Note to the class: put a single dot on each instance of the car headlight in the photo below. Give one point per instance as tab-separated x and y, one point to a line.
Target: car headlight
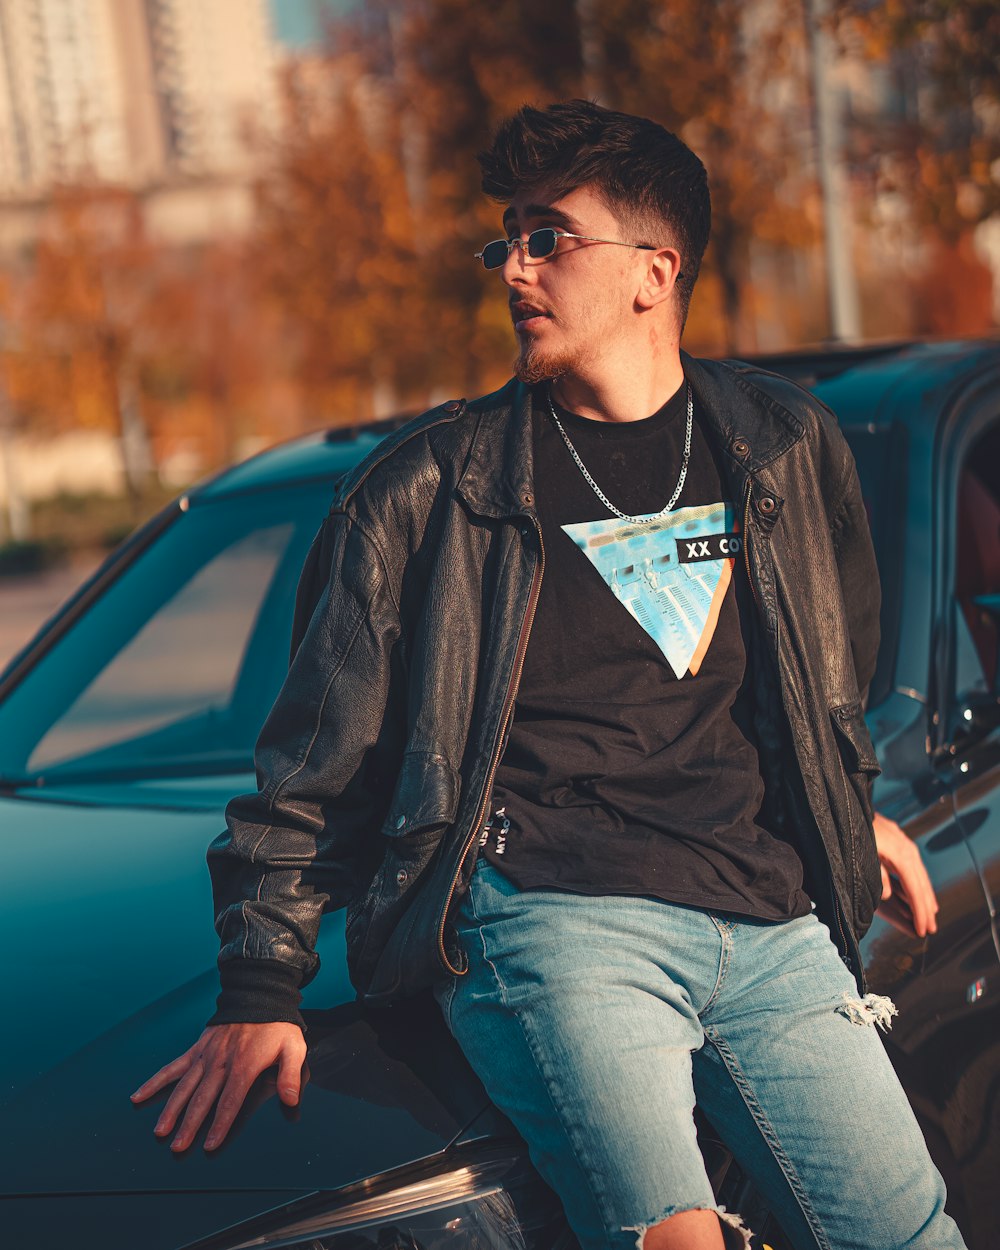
491	1202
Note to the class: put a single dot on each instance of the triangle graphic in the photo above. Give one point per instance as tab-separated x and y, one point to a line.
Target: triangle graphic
675	596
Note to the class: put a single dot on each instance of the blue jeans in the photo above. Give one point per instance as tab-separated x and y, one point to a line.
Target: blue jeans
595	1023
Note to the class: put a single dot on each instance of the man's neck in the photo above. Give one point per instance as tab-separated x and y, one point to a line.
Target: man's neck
620	395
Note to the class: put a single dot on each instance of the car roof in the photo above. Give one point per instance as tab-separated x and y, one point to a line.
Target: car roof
873	384
881	383
323	455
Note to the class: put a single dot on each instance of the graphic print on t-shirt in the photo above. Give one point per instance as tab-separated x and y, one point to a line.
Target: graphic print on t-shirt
671	575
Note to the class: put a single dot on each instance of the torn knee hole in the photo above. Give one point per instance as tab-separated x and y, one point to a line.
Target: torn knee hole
735	1234
872	1009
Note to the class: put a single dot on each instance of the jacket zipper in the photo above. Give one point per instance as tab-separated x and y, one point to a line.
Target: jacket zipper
505	719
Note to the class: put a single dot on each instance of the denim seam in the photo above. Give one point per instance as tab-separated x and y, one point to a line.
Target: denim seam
571	1135
447	999
769	1135
725	954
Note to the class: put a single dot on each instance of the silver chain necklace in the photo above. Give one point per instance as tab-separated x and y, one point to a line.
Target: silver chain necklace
636	520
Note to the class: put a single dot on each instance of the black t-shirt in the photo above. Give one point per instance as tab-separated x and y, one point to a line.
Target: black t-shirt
631	766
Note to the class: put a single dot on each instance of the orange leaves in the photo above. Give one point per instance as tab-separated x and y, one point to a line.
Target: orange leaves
356	288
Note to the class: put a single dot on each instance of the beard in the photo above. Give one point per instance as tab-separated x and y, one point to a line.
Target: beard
533	365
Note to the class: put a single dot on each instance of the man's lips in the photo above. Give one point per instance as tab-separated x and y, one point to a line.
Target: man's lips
523	315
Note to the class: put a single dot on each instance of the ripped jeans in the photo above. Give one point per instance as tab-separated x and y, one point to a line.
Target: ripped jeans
595	1024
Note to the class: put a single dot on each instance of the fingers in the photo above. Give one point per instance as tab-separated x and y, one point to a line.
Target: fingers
159	1080
198	1108
290	1073
290	1056
178	1099
900	856
233	1096
897	914
915	884
923	900
223	1065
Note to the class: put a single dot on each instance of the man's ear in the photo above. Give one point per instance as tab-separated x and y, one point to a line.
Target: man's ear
663	267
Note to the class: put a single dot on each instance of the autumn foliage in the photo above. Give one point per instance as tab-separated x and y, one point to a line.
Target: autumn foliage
356	293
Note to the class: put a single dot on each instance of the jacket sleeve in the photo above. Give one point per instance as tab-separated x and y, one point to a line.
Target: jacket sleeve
293	849
859	579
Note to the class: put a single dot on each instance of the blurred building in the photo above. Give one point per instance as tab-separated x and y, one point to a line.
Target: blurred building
213	70
170	97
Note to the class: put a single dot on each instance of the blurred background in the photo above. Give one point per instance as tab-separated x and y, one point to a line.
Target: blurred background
226	222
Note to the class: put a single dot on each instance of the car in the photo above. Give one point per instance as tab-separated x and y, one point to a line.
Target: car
129	720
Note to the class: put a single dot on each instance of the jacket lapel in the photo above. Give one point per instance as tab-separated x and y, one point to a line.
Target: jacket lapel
498	478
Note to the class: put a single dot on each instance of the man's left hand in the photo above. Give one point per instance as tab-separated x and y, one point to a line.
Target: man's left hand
911	891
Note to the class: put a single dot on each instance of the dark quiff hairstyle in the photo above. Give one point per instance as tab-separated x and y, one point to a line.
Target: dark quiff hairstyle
653	183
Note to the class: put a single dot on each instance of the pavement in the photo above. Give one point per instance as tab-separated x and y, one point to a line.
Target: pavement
26	602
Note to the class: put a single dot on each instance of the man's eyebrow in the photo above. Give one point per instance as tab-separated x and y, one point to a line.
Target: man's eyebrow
546	212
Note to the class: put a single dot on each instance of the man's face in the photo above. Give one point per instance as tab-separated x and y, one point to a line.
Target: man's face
571	308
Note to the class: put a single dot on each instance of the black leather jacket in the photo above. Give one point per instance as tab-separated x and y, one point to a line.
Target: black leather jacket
412	619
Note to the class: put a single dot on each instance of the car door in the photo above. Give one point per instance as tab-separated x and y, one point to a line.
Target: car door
966	746
929	456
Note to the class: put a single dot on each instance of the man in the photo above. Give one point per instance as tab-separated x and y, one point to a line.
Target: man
591	653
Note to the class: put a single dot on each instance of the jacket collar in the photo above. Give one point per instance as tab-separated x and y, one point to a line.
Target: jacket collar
748	424
498	478
751	426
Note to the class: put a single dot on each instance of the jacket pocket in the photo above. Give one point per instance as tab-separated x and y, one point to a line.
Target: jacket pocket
860	768
426	794
424	804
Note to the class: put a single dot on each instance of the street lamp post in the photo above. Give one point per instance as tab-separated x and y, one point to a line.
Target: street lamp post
842	287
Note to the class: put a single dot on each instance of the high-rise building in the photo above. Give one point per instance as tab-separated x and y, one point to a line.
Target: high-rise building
130	90
61	101
213	65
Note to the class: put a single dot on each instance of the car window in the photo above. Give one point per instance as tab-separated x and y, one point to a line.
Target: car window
174	668
880	454
977	555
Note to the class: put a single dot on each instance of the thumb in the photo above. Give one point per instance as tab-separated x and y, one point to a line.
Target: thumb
886	884
289	1077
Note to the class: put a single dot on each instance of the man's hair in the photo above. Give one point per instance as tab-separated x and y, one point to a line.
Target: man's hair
653	183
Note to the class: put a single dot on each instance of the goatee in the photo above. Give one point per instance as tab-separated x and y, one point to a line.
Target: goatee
532	367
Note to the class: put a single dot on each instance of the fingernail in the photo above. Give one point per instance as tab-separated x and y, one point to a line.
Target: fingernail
176	1144
211	1143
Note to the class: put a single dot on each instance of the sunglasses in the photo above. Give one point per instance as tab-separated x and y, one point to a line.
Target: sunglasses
539	244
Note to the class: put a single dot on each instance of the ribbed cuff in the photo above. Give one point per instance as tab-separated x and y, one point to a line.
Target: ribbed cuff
258	991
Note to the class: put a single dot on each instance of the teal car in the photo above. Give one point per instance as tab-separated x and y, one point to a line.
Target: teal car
130	719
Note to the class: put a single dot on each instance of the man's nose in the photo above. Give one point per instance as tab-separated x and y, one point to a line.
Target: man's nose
515	268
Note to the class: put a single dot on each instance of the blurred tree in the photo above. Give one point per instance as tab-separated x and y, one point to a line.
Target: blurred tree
728	78
703	70
214	350
337	247
372	211
940	143
926	151
86	317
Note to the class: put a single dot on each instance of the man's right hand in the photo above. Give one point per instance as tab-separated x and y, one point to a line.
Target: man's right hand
223	1064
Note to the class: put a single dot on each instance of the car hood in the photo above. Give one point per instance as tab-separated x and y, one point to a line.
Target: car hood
110	973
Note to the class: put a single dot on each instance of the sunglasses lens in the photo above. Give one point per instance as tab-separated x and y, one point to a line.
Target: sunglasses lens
495	254
542	243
